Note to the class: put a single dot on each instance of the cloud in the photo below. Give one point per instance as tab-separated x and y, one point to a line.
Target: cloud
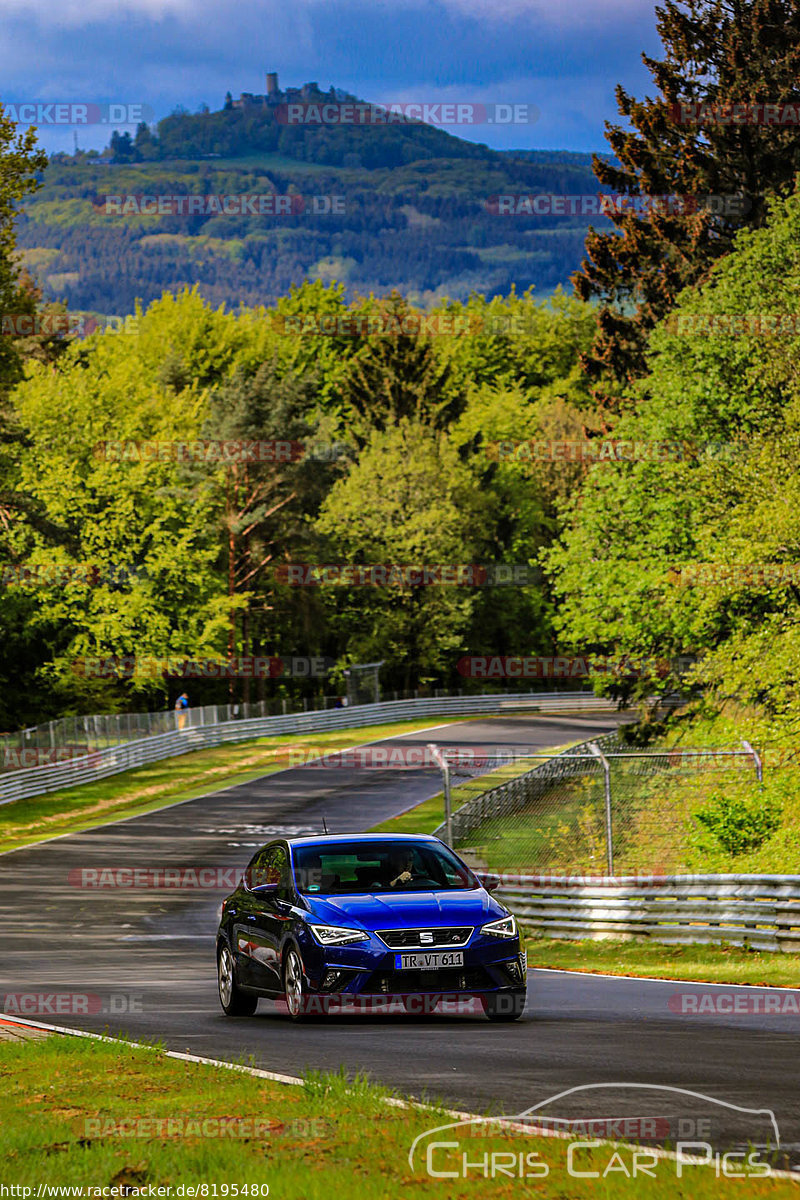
557	14
80	13
162	53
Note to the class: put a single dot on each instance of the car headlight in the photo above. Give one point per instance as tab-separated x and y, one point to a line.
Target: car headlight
506	927
337	935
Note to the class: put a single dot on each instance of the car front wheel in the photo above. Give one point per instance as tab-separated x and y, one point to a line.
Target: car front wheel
294	985
504	1006
235	1002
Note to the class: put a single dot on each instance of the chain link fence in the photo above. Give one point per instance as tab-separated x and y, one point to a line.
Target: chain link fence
599	808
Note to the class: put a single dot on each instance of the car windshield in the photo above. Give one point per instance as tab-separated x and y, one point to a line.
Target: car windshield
355	868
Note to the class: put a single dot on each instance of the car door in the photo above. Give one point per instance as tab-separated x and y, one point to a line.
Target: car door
263	914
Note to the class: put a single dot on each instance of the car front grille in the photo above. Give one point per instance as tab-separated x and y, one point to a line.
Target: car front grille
426	939
452	979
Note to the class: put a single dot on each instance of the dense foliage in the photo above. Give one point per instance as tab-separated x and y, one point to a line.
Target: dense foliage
426	227
706	137
185	547
398	370
698	554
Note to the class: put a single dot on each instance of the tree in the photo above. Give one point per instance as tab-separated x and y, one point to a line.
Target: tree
19	162
145	145
717	51
266	500
395	373
409	501
123	148
101	457
695	552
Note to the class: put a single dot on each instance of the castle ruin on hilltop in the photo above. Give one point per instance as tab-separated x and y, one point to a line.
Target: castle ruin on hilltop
274	96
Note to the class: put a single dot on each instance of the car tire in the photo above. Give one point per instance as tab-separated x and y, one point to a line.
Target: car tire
294	985
235	1002
504	1006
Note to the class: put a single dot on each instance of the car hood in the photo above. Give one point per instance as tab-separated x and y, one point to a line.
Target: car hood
407	910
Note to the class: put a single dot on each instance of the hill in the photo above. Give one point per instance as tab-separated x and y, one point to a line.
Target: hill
244	205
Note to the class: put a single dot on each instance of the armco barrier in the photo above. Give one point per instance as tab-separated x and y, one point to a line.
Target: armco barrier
761	911
34	781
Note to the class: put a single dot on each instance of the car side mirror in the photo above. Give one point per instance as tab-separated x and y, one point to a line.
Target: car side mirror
490	882
264	890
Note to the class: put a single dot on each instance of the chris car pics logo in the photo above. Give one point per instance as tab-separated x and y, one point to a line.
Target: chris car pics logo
613	1130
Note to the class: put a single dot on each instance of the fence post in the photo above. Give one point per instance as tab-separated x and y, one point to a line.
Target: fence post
609	824
444	766
756	760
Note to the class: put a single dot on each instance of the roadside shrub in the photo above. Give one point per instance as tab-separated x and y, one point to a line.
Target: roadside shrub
739	825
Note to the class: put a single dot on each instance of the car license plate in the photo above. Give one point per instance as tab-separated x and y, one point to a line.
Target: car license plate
428	962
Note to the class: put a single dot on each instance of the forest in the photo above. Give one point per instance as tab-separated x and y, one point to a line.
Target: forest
178	483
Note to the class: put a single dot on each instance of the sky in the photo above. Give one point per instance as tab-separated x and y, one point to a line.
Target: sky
561	58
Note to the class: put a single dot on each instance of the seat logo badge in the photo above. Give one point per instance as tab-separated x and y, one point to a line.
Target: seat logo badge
426	939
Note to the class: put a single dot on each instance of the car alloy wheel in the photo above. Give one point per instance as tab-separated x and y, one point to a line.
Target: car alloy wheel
225	977
235	1002
293	984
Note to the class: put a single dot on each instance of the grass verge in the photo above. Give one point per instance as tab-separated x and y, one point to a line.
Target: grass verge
703	964
171	780
92	1115
428	815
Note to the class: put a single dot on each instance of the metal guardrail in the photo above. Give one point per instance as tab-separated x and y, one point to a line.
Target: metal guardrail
62	740
515	794
34	781
760	911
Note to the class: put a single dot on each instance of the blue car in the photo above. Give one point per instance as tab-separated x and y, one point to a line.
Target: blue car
324	923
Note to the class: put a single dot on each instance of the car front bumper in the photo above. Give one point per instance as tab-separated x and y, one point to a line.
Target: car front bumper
370	968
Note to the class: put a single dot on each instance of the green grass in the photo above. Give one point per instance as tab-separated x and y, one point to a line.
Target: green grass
428	815
73	1108
423	818
655	816
562	832
172	780
703	964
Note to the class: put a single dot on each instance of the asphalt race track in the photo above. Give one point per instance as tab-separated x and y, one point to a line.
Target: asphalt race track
142	960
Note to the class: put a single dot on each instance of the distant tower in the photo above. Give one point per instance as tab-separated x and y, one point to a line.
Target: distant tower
272	83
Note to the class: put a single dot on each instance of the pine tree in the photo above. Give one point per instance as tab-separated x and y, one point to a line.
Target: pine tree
718	52
396	373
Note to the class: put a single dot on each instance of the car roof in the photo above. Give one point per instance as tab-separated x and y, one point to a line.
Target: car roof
331	839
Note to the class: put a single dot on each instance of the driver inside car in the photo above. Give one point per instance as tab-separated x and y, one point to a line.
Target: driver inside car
401	866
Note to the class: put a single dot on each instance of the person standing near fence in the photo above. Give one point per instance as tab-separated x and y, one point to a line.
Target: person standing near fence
181	705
